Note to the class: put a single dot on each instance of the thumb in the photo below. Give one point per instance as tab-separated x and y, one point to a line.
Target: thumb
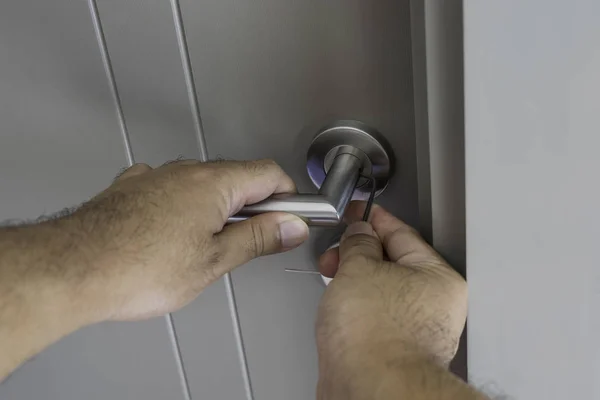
259	236
360	241
134	170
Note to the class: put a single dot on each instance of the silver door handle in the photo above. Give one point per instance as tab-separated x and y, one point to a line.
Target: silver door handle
337	156
314	209
323	209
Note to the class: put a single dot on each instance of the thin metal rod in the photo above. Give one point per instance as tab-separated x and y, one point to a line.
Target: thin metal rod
302	271
369	205
110	75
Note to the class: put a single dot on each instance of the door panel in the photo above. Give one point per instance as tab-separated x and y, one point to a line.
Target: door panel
61	144
142	42
145	58
532	85
265	71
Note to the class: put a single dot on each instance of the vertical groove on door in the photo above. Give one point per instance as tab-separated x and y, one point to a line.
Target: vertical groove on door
189	77
185	386
444	70
130	161
419	74
239	340
195	109
111	79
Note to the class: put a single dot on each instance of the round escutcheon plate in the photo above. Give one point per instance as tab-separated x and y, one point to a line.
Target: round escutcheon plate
328	141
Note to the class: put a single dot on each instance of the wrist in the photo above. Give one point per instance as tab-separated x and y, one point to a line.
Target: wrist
43	271
364	371
36	306
388	370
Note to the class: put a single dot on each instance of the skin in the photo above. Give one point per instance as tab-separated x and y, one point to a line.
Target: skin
390	322
153	240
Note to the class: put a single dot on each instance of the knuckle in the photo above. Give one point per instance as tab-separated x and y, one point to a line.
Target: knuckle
358	259
260	166
363	243
141	166
255	246
213	262
135	169
457	286
215	256
205	174
406	233
181	161
446	280
363	240
358	265
221	175
267	162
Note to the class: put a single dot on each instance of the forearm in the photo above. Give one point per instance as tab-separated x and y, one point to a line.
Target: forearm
386	373
38	305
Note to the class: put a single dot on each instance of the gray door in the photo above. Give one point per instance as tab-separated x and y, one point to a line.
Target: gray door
60	143
113	82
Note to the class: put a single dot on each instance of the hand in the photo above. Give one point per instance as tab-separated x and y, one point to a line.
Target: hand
394	300
155	238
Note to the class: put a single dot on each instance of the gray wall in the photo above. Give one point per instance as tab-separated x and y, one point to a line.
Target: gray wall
79	103
532	92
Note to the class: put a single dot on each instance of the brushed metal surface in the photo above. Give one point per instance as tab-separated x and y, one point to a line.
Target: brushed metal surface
379	162
341	180
314	209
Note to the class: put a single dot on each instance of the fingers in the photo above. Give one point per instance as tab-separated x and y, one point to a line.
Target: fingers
328	262
355	211
258	236
402	242
248	182
359	242
141	168
134	170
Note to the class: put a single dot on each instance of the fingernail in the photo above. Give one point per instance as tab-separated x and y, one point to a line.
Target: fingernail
358	228
293	233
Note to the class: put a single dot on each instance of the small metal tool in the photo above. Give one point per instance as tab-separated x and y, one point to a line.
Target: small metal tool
370	200
302	271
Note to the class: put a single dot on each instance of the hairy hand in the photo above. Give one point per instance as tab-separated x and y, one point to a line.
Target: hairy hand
155	238
393	298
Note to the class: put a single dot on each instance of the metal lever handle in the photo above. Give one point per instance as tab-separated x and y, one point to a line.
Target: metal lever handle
323	209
